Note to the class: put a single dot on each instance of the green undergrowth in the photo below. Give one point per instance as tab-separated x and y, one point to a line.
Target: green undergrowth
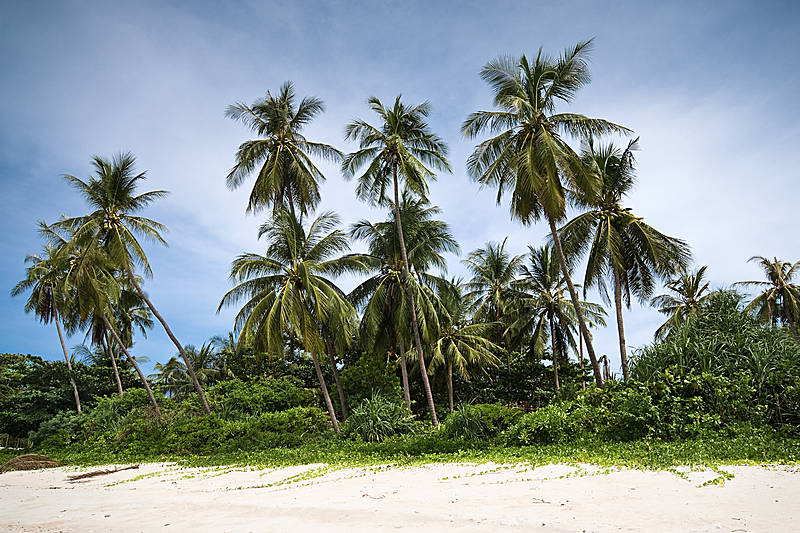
756	448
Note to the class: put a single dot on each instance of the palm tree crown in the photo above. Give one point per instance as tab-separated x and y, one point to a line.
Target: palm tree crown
689	294
780	300
287	176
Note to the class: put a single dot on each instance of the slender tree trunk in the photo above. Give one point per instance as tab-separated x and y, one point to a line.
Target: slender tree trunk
598	378
404	374
325	395
583	378
113	362
555	352
336	379
69	364
189	367
414	324
135	365
623	353
450	384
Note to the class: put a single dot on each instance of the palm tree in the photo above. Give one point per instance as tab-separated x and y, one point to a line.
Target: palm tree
542	304
114	226
493	271
380	296
171	378
779	303
527	156
461	344
688	296
44	279
621	247
287	292
401	148
287	176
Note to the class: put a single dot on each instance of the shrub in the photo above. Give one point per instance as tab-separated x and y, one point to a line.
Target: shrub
550	424
378	418
497	417
465	423
367	376
235	397
63	429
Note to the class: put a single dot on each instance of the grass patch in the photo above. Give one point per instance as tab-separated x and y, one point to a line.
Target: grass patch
643	454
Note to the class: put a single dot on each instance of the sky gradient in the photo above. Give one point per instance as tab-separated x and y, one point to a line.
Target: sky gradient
711	90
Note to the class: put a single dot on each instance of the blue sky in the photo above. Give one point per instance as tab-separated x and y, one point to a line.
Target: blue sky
710	87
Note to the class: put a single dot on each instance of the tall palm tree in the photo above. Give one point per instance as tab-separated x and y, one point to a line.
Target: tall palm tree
779	301
689	294
493	271
401	148
461	345
287	291
287	176
621	247
114	226
44	279
543	308
527	156
381	296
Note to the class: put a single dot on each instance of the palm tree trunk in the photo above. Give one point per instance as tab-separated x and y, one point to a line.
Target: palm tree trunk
580	340
623	353
598	377
135	365
177	344
404	374
325	395
336	379
555	352
69	365
113	362
414	325
450	384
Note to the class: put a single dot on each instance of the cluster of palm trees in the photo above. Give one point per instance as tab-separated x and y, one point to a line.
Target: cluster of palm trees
404	308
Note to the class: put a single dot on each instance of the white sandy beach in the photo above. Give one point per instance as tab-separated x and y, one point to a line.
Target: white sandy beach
452	497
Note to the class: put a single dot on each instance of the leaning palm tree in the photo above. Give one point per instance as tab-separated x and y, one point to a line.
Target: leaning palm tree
381	296
493	271
527	157
286	177
44	279
461	345
401	148
779	301
286	292
543	308
689	294
114	227
622	248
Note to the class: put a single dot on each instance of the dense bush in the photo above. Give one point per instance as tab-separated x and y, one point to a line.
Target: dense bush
551	424
235	397
379	418
369	375
465	423
722	341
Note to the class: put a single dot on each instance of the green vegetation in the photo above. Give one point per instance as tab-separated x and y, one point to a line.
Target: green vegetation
312	374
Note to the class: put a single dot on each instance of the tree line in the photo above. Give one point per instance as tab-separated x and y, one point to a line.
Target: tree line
90	273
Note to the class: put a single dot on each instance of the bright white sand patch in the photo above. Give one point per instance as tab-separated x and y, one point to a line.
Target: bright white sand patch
437	497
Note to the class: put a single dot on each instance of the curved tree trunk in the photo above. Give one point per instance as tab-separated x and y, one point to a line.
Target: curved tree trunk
113	362
336	379
623	352
598	377
135	365
325	395
555	352
69	364
450	384
189	367
404	374
414	324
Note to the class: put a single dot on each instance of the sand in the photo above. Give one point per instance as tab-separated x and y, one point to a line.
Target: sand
437	497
